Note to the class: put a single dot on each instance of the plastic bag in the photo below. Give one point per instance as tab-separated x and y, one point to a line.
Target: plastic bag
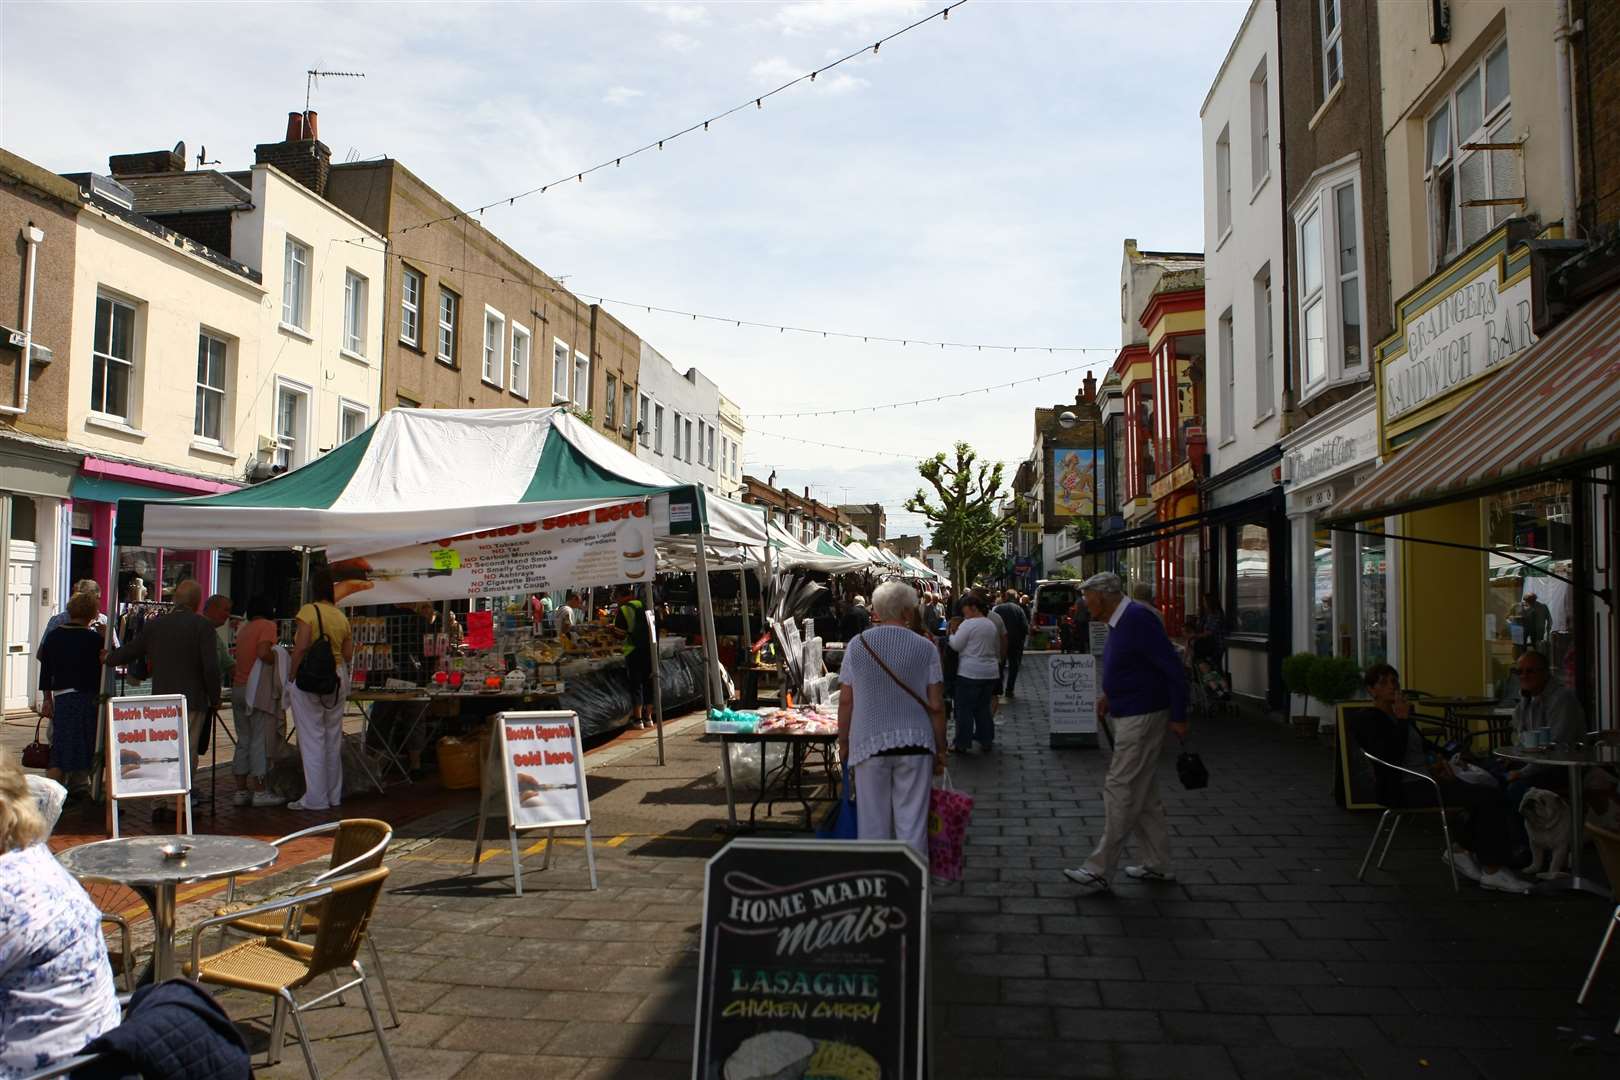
948	814
745	763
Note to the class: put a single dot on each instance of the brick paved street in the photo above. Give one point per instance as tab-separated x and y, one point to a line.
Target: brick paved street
1265	959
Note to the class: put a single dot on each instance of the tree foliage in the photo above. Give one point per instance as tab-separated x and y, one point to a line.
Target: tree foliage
962	511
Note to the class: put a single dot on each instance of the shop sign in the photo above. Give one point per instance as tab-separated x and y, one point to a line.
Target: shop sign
1463	336
536	766
149	750
608	545
1174	480
1073	697
1355	443
813	962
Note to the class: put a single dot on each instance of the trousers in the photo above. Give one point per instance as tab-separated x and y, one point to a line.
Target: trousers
891	799
1010	666
1131	802
319	724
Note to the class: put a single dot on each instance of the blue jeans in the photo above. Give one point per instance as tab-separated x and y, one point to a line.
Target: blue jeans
973	723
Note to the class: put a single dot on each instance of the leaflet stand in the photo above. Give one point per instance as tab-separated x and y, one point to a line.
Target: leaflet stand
537	763
148	754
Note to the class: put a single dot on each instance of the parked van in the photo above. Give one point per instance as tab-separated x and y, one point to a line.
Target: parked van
1053	601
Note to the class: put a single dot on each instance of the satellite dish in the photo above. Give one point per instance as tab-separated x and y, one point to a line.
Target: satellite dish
180	149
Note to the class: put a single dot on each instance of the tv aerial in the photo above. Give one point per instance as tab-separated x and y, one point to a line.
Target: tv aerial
314	74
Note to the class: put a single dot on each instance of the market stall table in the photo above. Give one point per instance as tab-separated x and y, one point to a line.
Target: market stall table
1575	758
802	740
138	862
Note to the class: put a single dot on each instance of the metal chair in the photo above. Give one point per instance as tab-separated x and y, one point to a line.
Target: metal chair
1608	845
277	966
358	844
126	950
1393	815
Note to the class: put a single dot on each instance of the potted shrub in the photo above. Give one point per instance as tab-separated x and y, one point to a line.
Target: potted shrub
1334	679
1296	675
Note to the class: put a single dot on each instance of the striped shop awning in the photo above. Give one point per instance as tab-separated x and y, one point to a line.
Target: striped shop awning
1556	407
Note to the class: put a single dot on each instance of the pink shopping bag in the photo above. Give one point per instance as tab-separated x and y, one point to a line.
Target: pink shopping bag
948	814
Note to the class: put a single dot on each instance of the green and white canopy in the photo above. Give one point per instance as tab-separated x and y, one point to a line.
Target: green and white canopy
419	474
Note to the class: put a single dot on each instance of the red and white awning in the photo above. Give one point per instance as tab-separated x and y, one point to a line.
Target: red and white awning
1557	406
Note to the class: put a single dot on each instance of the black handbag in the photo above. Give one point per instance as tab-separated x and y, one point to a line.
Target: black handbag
37	755
1192	770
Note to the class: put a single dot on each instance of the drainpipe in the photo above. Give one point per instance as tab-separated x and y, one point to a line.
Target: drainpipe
1562	31
34	237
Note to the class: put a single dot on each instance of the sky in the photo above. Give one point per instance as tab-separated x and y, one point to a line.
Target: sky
972	182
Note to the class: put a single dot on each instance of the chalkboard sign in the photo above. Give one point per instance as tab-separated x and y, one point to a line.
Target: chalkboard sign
813	963
1073	700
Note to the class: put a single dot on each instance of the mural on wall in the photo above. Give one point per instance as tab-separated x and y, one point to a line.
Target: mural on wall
1077	488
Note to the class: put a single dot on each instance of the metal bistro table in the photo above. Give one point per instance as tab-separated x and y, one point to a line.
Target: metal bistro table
1575	758
135	861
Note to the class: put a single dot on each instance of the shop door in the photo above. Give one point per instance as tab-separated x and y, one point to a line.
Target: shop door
21	571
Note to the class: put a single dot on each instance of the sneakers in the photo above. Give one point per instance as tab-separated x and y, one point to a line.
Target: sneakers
1503	880
242	798
1149	873
299	804
267	798
1465	863
1088	882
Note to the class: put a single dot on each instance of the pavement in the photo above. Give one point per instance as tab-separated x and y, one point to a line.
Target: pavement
1265	958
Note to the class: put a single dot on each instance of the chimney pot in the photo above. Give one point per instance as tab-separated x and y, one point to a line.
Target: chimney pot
295	127
311	126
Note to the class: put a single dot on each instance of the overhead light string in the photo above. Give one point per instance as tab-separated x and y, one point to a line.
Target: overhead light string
758	101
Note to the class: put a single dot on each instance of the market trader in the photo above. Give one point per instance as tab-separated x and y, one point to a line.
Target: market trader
631	618
1144	690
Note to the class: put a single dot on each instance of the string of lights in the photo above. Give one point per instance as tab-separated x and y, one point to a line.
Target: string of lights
845	335
757	101
931	400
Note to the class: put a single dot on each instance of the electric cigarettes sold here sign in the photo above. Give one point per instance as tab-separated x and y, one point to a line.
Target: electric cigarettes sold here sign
149	740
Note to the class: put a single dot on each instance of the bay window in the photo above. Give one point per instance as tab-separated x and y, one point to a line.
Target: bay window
1328	239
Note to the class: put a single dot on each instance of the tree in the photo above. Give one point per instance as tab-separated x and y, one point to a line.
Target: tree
963	515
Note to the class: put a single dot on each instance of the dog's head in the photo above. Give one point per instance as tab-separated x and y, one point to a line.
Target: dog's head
1542	808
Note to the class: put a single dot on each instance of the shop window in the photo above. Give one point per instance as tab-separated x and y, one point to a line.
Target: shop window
1526	608
1251	592
1471	187
1372	568
1322	592
112	358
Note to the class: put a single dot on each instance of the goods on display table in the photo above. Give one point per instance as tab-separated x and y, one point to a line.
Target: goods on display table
802	733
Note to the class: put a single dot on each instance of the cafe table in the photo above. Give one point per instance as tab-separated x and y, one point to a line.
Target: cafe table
1575	757
139	863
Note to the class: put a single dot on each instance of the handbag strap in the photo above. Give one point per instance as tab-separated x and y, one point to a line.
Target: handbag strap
890	673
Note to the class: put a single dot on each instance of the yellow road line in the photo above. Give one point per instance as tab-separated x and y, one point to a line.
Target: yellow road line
502	851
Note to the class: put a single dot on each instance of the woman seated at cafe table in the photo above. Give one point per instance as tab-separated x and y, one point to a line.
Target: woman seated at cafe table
56	986
1386	731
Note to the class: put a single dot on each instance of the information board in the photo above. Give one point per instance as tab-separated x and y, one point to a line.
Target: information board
534	773
148	752
1096	637
1073	696
814	961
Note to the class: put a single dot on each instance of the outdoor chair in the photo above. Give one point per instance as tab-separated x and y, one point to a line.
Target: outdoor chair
1392	816
277	966
1608	846
123	959
359	844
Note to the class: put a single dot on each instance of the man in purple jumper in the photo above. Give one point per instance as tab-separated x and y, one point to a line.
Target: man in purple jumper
1144	691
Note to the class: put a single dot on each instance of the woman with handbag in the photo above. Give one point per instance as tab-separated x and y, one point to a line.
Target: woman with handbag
69	679
891	720
322	651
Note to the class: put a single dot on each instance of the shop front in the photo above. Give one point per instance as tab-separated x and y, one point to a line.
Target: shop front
1341	605
1500	440
1247	569
1177	558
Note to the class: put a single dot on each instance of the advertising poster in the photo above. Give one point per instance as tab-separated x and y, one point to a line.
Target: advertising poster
544	768
813	961
1074	483
149	740
1074	694
607	545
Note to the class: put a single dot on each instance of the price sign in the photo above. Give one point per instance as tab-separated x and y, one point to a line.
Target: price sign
445	559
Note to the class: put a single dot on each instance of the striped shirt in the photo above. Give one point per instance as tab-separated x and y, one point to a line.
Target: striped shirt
885	716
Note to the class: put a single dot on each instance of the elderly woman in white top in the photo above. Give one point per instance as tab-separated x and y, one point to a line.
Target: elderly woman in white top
56	987
891	719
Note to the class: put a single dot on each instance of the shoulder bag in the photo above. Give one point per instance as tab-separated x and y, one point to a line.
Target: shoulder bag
933	714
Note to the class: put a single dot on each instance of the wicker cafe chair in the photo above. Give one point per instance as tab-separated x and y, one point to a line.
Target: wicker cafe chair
359	844
277	966
1608	845
1392	815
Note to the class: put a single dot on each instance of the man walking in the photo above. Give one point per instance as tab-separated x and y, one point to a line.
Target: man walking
1144	691
1017	624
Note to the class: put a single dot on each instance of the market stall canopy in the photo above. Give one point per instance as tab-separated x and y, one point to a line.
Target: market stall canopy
921	568
790	554
1557	409
419	474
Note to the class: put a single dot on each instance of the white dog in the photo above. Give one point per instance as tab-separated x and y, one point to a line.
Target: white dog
1546	818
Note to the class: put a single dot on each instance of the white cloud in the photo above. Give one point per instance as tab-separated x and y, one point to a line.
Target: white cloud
812	16
841	83
679	14
774	71
675	41
621	95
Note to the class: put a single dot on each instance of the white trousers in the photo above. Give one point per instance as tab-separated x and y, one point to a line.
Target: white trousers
891	799
1131	800
320	744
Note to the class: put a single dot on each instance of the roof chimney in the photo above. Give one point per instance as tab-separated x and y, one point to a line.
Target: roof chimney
301	155
149	161
1091	387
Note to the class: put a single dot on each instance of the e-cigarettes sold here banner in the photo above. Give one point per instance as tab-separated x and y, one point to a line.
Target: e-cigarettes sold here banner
149	742
607	545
